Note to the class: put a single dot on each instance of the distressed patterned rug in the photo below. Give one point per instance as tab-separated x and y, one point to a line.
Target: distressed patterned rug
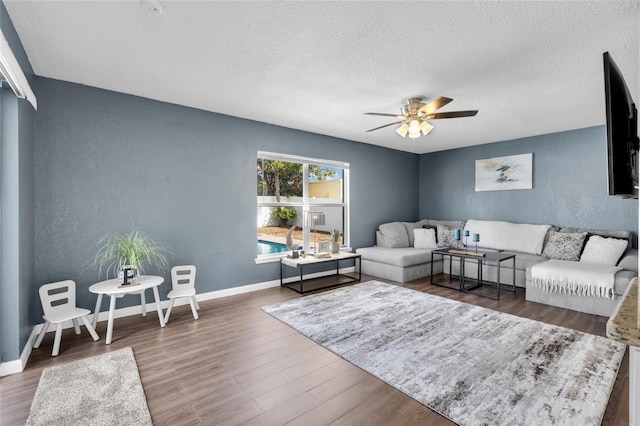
470	364
100	390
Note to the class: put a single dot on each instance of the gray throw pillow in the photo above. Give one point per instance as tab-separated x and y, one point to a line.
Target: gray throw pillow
564	245
446	237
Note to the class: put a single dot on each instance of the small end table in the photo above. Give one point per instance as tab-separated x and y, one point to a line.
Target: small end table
482	258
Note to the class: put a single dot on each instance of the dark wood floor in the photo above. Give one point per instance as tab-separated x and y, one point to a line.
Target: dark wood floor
239	365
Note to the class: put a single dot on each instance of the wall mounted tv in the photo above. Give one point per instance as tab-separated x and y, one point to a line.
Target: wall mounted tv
622	132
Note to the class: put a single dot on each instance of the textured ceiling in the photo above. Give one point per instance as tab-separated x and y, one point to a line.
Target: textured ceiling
529	67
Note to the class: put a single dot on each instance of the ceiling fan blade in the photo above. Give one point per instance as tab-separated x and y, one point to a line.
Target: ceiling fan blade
435	105
386	125
382	114
451	114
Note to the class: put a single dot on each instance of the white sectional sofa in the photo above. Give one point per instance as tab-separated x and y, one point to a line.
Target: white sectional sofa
394	257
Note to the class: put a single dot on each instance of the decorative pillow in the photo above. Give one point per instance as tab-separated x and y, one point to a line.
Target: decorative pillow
607	251
447	237
424	238
564	245
435	230
621	235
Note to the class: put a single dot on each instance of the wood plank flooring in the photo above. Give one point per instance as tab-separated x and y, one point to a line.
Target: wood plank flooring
238	365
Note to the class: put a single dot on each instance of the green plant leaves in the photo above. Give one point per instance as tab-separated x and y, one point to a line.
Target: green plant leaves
135	249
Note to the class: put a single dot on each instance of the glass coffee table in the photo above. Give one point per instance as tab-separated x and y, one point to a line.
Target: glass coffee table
467	284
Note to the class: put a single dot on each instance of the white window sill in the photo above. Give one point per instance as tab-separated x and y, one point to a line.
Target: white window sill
269	259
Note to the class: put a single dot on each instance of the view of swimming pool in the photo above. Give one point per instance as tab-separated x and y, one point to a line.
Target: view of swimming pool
268	247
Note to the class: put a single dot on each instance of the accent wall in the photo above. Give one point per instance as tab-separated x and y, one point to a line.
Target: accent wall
108	162
569	184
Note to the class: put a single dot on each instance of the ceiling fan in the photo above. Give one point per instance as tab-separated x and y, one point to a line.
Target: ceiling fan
415	112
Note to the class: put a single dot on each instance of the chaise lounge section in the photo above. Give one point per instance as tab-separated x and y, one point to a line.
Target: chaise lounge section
602	306
394	257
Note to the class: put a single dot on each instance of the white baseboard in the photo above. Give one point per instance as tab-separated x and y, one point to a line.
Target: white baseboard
17	366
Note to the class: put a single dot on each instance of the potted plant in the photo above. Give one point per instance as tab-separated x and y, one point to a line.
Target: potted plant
335	237
129	253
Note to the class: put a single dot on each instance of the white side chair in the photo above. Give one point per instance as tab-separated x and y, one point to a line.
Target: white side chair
183	281
59	305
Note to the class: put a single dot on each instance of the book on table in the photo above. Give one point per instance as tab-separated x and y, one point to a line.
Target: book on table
322	255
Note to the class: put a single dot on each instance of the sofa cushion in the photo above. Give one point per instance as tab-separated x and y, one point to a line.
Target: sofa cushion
403	257
393	235
630	261
519	237
524	260
623	279
564	245
425	238
607	251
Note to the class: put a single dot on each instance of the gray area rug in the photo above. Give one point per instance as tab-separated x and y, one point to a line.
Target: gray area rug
100	390
470	364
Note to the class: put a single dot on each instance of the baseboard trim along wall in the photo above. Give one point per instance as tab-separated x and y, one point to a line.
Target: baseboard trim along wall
17	366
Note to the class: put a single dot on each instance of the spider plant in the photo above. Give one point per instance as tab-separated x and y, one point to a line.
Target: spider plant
134	249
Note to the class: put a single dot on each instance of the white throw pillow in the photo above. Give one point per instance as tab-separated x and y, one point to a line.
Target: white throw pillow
607	251
424	238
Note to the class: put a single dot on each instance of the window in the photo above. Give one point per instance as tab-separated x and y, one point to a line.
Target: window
308	193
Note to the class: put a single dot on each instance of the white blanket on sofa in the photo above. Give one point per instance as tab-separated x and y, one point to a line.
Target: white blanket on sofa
579	278
508	236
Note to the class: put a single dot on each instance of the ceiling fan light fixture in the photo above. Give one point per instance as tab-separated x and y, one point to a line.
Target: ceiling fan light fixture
414	129
402	130
425	127
415	112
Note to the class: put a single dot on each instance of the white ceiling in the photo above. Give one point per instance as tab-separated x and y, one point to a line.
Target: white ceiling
529	67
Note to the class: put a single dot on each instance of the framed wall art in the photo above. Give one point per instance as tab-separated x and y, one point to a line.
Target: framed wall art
504	173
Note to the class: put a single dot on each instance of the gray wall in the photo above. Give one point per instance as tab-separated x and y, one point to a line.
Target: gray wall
17	214
569	184
108	162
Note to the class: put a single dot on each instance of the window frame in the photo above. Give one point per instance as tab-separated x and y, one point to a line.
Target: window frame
307	203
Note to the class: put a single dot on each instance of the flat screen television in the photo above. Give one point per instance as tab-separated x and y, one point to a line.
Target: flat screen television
622	132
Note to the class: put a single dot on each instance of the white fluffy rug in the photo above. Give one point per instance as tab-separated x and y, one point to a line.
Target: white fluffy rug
470	364
100	390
